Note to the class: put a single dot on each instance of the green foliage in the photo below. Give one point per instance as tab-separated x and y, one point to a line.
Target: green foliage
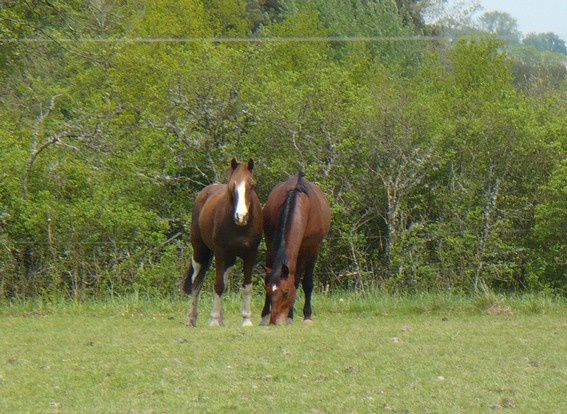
546	42
536	72
444	164
550	230
500	24
367	19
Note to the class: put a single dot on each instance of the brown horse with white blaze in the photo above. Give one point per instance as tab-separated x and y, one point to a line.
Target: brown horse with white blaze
226	223
297	217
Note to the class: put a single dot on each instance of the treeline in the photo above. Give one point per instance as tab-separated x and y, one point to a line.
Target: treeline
444	162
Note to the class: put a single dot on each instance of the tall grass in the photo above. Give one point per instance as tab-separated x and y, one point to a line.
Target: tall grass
373	303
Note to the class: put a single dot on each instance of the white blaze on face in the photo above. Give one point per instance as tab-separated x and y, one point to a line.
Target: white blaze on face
241	212
274	288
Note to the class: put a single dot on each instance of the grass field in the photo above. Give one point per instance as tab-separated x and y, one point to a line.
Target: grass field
362	354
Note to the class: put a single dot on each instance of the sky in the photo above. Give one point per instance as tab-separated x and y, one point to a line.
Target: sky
534	15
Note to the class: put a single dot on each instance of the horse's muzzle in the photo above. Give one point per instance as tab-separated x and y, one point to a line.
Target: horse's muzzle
281	320
241	220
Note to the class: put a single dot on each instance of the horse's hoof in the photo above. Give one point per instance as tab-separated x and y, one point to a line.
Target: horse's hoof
289	321
247	322
308	321
265	321
215	323
191	324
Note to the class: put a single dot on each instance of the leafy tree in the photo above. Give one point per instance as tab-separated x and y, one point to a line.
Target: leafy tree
550	248
549	42
536	72
443	162
454	19
501	24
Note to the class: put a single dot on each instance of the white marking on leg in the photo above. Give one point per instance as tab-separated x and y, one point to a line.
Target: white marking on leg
241	211
246	307
265	320
196	269
216	313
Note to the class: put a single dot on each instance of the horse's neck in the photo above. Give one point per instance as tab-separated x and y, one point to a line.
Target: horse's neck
227	203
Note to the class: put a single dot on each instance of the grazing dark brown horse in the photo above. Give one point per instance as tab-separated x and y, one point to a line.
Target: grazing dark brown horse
297	217
226	223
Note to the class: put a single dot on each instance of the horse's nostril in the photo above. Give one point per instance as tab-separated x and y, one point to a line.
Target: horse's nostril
241	219
280	320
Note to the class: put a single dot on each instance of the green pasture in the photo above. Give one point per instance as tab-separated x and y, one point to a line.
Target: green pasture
372	353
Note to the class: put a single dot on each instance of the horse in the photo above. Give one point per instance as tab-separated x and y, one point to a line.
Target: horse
226	223
297	217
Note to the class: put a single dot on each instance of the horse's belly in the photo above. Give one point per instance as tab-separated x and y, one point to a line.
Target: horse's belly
238	245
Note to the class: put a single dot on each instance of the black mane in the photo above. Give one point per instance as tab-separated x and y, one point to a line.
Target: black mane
284	225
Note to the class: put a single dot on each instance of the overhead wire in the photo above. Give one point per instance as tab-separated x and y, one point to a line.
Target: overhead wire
223	39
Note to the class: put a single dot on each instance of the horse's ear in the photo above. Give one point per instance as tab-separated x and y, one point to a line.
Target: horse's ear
285	271
234	163
250	164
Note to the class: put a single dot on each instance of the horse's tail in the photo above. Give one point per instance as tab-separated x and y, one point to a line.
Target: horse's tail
285	223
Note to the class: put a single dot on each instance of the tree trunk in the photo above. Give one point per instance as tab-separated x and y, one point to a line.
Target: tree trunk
392	219
486	227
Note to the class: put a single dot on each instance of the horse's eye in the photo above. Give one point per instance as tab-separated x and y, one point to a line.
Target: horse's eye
285	293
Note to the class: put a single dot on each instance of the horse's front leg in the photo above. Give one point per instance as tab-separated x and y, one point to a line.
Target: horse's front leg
248	267
223	269
292	309
266	312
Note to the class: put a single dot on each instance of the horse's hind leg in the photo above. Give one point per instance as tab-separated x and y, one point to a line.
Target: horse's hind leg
194	279
223	269
307	285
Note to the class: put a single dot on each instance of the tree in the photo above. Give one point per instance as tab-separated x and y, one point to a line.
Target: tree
500	24
546	42
441	170
550	230
452	18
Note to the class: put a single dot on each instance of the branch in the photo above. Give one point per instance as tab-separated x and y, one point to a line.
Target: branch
29	167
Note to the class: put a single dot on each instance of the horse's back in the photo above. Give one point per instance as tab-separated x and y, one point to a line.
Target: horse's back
205	196
318	214
205	204
319	211
273	207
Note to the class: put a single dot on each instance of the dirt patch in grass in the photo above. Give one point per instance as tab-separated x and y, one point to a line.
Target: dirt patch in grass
499	309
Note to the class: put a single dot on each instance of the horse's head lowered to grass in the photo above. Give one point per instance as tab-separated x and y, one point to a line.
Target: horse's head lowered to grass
282	292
